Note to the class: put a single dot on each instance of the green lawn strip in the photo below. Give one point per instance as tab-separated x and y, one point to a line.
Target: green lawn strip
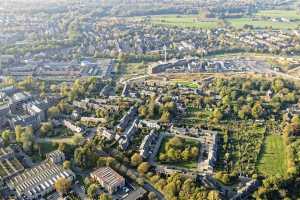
273	160
188	84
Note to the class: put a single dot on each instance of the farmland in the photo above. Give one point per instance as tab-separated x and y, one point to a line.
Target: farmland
261	20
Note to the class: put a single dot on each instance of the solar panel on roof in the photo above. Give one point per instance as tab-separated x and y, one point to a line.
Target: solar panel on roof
47	184
43	186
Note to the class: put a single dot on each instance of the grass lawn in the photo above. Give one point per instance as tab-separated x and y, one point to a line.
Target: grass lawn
186	21
240	22
188	165
134	69
45	147
273	160
188	84
290	14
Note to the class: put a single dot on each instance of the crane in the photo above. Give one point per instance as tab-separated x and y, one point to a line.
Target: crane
165	49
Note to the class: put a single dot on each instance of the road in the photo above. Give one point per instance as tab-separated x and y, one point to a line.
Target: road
150	188
132	79
78	189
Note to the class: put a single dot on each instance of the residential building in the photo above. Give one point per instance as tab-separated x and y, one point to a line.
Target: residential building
56	156
130	115
147	143
108	134
72	127
126	137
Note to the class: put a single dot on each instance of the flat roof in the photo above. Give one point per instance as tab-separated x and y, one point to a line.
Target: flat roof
108	176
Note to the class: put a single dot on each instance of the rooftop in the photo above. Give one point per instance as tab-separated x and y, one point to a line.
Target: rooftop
108	176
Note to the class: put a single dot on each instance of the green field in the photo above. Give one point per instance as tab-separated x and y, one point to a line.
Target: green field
188	84
259	23
197	21
185	21
273	160
290	14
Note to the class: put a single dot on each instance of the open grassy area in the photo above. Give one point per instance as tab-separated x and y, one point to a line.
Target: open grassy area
186	21
273	160
260	23
134	69
189	164
259	20
45	147
188	84
197	21
290	14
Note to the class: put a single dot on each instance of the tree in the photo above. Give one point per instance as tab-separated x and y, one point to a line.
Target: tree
185	154
217	115
143	168
140	181
142	111
213	195
18	132
77	139
165	117
53	111
67	164
27	139
244	112
86	156
176	142
46	128
277	85
257	111
62	147
136	159
152	196
62	185
104	196
6	137
92	191
194	152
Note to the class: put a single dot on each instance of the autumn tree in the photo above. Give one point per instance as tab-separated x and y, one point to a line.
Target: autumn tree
257	110
67	164
165	117
18	132
62	185
104	196
136	159
143	168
